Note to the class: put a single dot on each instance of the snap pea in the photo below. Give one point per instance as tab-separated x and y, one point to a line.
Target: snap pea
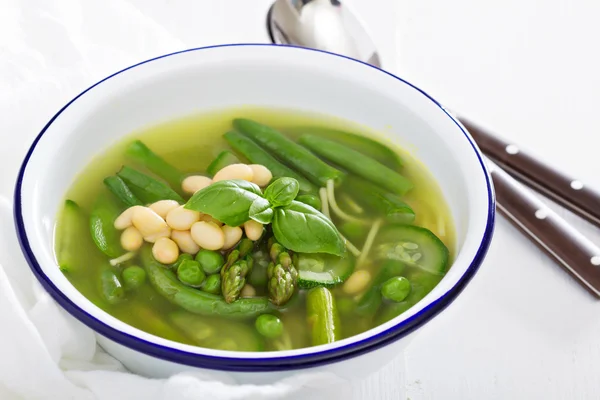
224	159
322	316
358	163
371	300
258	155
298	157
139	152
111	287
133	277
73	227
146	188
372	197
166	284
119	188
102	218
311	200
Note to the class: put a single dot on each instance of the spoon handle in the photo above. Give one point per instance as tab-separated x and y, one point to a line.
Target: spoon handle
567	191
573	251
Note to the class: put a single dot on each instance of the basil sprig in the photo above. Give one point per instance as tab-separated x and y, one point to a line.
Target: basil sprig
297	226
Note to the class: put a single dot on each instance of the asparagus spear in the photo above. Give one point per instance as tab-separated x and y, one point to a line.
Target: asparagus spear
282	275
233	278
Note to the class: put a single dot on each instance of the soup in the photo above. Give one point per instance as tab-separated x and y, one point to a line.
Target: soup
254	230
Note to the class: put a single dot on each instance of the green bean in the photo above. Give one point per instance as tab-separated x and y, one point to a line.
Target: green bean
102	218
120	189
167	285
211	261
322	316
133	277
298	157
258	155
72	228
269	326
372	197
111	287
371	300
146	188
224	159
311	200
395	289
139	152
358	163
212	284
190	273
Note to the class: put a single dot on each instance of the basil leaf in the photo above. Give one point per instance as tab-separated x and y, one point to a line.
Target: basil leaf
282	191
261	211
227	201
303	229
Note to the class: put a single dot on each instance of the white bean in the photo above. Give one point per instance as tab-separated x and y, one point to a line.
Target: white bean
165	233
185	242
165	251
232	234
162	207
131	239
193	183
357	282
181	218
124	220
148	222
208	235
208	218
253	229
248	291
234	171
261	175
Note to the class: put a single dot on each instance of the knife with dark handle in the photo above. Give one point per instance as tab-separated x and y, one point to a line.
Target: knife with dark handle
573	251
567	191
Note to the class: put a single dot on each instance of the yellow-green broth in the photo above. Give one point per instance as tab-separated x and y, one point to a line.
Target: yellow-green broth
190	144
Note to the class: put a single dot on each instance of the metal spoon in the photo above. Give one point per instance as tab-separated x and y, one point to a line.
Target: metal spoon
327	25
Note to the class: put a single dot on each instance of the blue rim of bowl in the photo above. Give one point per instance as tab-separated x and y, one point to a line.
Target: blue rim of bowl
301	361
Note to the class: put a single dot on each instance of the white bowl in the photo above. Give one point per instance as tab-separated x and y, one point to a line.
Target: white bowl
201	79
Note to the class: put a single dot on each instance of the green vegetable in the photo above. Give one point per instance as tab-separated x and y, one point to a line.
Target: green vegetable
392	310
120	189
372	197
261	211
298	157
358	163
310	200
146	188
413	245
190	273
233	278
212	284
182	257
282	275
354	231
303	229
133	277
322	316
110	286
258	277
371	300
72	228
139	152
228	201
258	155
365	145
167	285
224	159
323	269
102	219
211	261
217	334
245	246
269	326
396	289
282	191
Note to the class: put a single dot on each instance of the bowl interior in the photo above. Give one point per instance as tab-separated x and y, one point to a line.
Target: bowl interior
219	77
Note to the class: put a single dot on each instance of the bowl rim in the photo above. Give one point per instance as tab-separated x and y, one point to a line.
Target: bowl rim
284	363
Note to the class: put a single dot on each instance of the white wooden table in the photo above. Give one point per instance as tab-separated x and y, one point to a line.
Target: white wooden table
522	329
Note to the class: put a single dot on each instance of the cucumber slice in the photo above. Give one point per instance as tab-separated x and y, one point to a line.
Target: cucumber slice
321	269
413	245
224	159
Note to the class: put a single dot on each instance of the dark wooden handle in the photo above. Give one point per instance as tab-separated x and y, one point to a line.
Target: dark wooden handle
573	251
565	190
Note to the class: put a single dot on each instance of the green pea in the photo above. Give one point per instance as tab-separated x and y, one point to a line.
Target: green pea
182	257
211	261
269	326
190	273
212	284
133	277
396	288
